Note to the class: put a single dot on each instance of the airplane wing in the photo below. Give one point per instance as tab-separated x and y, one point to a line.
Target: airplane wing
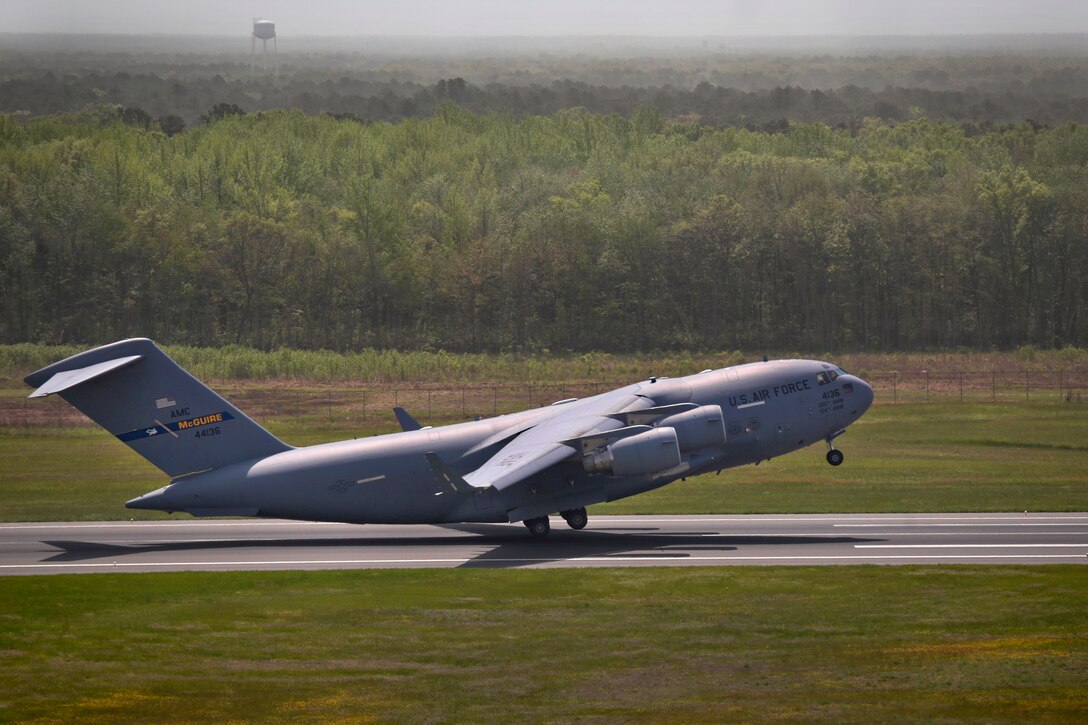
555	439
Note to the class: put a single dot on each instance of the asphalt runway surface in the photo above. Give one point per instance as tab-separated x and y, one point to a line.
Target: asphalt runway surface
661	540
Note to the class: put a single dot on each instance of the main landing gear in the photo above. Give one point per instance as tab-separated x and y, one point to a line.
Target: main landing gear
834	455
540	526
575	518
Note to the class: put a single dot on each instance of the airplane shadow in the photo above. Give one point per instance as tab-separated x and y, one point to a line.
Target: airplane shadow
514	549
503	545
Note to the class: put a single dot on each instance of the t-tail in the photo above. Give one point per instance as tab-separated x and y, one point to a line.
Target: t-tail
139	394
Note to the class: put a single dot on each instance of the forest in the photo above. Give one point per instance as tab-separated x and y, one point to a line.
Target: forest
570	231
716	82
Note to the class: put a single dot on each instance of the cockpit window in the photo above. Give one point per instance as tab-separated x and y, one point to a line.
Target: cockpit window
826	377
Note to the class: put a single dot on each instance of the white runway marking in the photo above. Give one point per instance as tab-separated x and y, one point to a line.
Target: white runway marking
927	526
971	546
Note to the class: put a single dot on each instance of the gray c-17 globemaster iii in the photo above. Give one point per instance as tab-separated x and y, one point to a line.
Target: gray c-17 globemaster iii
518	467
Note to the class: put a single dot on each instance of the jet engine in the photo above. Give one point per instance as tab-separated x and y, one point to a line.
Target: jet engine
650	452
702	427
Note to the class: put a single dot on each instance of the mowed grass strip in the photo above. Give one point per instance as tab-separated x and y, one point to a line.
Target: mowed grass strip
831	644
899	458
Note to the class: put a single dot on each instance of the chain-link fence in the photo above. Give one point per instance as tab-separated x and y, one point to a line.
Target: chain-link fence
344	403
978	386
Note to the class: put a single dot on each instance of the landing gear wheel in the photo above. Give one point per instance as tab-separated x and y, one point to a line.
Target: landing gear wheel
538	527
835	457
575	518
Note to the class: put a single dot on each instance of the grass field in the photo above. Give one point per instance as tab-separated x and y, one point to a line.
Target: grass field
907	457
833	644
236	363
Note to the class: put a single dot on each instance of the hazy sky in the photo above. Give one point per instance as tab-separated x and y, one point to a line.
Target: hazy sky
550	17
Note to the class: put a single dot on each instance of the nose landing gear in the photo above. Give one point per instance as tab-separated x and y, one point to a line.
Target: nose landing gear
834	455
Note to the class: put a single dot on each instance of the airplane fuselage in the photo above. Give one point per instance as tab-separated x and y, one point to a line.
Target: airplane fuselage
768	409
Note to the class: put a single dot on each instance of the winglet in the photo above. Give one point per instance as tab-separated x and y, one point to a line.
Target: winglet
407	422
447	474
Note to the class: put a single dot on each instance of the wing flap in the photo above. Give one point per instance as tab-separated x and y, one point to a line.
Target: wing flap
509	466
556	438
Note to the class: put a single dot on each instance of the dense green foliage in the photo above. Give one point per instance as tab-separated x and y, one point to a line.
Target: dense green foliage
572	231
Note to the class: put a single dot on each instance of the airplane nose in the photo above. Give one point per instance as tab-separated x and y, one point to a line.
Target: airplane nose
863	397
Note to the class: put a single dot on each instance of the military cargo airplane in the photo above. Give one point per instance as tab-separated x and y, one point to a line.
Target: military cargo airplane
519	467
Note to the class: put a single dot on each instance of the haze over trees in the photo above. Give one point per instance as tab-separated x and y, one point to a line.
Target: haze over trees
567	231
1007	79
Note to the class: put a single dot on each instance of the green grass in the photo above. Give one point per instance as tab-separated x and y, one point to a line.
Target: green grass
833	644
237	363
901	458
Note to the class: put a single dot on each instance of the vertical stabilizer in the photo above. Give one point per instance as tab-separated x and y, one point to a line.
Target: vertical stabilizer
140	395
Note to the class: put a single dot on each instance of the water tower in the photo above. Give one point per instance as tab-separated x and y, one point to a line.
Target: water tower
264	30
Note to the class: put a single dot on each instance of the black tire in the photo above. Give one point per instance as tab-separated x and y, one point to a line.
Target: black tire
576	518
538	527
835	457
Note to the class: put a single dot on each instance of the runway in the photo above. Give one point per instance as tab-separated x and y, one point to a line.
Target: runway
608	541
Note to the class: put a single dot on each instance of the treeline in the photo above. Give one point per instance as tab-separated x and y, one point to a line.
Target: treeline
572	231
1039	64
393	100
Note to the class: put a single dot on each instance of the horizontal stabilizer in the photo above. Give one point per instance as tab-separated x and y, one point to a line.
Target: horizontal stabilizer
71	378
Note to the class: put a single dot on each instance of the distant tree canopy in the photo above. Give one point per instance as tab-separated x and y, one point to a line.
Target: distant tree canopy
1051	100
571	231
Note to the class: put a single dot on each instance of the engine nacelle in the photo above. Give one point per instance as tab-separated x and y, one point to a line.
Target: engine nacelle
698	428
650	452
